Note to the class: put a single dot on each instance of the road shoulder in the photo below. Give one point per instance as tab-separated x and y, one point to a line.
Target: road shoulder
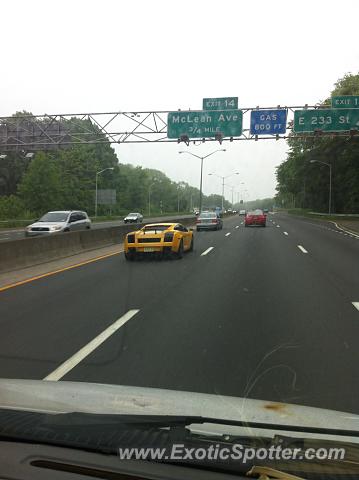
15	277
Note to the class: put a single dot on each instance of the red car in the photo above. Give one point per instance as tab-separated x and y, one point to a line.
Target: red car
257	217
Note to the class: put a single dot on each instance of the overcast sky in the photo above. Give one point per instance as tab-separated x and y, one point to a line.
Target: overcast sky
93	56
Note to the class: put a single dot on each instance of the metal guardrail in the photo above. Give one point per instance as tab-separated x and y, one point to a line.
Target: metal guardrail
352	215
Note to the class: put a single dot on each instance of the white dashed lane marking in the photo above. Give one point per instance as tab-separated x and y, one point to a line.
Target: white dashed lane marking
302	249
207	251
69	364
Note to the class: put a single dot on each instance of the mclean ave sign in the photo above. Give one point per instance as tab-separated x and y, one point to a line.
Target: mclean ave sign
204	124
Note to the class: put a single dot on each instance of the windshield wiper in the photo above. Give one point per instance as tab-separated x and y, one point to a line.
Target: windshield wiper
107	433
78	419
160	421
96	419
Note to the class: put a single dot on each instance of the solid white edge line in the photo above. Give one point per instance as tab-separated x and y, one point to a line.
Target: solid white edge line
356	305
285	233
69	364
302	249
228	234
342	230
207	251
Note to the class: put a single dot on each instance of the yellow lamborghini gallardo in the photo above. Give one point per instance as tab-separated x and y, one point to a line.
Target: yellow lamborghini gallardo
159	238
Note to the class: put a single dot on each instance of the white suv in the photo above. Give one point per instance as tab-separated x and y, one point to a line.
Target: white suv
59	221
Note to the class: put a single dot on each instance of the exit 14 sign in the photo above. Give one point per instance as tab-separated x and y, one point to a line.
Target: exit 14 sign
345	101
225	103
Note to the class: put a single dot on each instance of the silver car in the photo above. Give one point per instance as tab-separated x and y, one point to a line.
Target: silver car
59	221
209	221
133	218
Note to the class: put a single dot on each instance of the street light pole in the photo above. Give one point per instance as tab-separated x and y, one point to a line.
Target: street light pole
223	179
97	174
223	195
232	188
201	187
149	199
96	196
330	189
201	181
330	182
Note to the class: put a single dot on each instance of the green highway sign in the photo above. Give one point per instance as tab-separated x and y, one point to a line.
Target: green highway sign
327	120
345	101
204	124
226	103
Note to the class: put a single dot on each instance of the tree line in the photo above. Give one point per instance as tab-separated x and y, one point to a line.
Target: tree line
305	184
65	178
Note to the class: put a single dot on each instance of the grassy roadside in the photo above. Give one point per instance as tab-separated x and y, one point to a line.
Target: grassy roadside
347	222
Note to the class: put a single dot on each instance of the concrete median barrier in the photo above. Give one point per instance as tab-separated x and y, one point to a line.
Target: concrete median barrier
26	252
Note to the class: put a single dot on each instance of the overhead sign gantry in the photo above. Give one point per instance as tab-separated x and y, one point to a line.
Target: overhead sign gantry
220	120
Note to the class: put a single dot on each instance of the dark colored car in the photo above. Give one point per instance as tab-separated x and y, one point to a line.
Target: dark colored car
209	221
133	218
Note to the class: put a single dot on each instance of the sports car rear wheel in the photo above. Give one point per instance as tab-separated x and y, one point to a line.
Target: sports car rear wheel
191	246
179	253
129	256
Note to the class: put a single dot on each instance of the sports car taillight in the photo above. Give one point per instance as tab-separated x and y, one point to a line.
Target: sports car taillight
168	237
130	239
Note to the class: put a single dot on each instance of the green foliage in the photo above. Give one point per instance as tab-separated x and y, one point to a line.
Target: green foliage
301	184
41	187
348	85
12	168
12	207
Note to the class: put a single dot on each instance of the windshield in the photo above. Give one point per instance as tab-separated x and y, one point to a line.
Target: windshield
54	217
255	212
155	228
194	166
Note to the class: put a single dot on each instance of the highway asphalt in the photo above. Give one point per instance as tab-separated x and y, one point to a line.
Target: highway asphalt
17	233
264	313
